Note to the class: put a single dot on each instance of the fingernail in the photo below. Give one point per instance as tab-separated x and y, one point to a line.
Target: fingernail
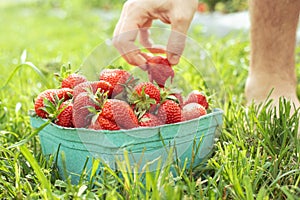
174	59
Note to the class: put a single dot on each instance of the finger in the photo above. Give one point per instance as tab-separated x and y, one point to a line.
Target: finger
124	42
180	19
121	19
145	55
175	47
136	58
125	34
145	34
157	49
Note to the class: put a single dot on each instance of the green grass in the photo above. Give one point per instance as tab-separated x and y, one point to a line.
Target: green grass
256	156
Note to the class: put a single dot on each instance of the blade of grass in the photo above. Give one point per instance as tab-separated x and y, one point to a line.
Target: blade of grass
262	194
248	187
30	65
46	185
288	193
28	138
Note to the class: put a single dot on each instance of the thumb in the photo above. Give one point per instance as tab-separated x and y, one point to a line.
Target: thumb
180	19
175	47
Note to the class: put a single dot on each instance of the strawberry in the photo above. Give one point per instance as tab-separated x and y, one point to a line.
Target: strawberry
116	113
104	124
47	99
104	86
145	97
173	94
65	116
69	79
116	77
72	80
179	98
82	106
197	97
169	112
92	86
120	112
149	119
192	111
159	70
149	89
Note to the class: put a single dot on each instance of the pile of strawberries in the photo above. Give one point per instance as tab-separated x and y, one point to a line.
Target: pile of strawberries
119	101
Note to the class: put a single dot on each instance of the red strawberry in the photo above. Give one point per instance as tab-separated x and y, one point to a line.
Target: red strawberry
105	87
65	117
192	111
179	98
116	77
169	112
93	86
149	119
149	89
145	96
197	97
121	113
117	113
40	104
104	124
69	79
159	70
82	106
72	80
85	87
173	94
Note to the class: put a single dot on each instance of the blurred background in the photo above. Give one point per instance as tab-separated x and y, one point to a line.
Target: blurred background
226	6
54	32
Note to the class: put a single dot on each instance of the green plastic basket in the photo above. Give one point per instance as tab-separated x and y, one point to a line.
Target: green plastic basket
144	145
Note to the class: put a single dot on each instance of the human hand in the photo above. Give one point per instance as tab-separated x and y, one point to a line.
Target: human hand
136	18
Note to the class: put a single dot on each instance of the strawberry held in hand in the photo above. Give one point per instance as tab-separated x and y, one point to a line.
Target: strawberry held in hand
159	70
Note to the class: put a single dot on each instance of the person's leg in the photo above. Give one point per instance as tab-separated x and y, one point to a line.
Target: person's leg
272	40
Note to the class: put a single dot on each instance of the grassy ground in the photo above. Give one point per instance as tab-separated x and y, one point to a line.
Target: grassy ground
256	156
